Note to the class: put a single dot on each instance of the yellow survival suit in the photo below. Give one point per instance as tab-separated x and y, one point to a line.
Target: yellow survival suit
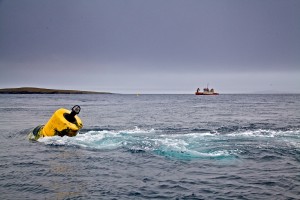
63	122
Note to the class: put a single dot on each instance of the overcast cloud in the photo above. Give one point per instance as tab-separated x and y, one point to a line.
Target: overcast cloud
139	46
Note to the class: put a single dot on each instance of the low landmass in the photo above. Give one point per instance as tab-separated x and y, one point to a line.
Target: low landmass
33	90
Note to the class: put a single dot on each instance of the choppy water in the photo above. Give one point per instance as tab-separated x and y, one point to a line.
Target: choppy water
153	147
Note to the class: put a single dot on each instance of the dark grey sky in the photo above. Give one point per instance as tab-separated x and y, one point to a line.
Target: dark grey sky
140	46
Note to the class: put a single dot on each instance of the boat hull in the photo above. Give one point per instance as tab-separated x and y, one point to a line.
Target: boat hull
206	93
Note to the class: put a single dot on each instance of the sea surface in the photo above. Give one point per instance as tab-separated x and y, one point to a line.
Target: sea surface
153	147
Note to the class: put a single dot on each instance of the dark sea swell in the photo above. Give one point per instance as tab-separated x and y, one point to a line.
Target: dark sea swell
153	147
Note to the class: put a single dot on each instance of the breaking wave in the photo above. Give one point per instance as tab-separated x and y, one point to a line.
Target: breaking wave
205	145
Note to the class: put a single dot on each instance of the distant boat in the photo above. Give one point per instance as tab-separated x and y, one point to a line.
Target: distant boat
206	91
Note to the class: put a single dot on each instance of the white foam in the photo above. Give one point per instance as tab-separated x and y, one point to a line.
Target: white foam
137	130
252	133
190	135
97	139
150	140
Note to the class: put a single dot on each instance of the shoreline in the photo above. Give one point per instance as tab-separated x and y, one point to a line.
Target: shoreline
33	90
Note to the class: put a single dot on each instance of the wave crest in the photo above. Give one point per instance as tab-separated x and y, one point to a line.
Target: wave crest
188	145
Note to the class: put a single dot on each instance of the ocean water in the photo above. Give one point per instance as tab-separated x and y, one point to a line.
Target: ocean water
153	147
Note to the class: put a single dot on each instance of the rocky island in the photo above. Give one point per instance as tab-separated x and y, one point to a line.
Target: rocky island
33	90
